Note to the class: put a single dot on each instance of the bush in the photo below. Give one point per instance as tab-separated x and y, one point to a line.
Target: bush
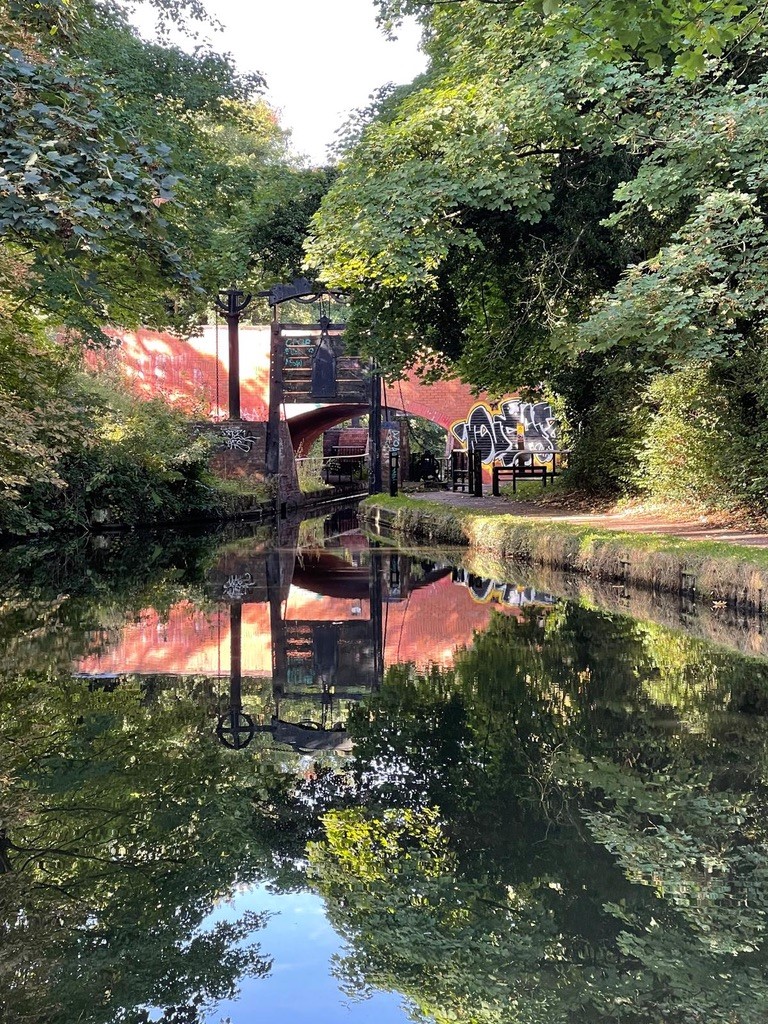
688	440
745	442
39	419
606	441
135	462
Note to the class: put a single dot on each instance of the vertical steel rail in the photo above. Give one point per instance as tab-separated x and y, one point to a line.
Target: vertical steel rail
374	436
233	308
276	360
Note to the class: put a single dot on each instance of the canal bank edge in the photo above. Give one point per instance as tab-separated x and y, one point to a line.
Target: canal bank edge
716	571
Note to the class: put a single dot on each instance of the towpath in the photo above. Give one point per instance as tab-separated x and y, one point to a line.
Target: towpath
633	521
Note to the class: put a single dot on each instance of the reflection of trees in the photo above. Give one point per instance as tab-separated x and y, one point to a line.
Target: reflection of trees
417	925
568	825
127	824
56	600
543	837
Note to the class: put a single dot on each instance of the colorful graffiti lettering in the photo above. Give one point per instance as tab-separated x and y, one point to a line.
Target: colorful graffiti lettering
499	431
487	591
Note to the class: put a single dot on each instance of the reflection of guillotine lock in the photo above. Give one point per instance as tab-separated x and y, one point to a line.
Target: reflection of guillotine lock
235	729
325	653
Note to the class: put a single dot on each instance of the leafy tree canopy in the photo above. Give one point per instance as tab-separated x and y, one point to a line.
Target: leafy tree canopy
136	180
570	200
541	193
683	33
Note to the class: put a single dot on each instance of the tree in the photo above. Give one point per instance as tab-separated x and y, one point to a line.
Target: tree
81	199
137	181
570	199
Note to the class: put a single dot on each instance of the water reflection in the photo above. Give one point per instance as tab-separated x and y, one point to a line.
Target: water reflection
319	622
484	590
550	812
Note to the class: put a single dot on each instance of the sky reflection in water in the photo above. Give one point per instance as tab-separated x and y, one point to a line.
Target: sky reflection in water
302	943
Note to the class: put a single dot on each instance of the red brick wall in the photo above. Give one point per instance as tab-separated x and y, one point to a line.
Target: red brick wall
192	373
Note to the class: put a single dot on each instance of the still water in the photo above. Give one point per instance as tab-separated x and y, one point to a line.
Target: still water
248	778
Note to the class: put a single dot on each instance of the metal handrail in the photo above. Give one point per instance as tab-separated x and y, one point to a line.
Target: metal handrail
327	458
329	466
545	459
526	452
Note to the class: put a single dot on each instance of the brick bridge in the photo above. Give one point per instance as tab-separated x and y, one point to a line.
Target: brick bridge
192	374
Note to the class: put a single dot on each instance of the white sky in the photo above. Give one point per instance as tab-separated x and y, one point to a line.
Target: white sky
321	59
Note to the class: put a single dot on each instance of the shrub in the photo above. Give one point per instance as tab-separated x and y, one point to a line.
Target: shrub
606	440
135	462
686	449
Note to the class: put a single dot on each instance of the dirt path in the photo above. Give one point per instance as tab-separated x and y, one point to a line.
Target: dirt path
631	521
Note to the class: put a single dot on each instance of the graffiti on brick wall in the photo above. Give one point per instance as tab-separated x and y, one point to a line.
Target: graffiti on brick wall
237	587
236	439
391	438
500	430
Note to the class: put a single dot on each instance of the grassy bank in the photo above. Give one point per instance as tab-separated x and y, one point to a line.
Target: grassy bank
715	571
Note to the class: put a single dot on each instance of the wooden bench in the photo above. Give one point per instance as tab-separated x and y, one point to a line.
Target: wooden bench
520	470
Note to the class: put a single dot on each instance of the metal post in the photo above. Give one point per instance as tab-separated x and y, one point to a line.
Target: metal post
374	437
477	474
233	307
235	656
233	332
235	729
275	400
277	626
374	592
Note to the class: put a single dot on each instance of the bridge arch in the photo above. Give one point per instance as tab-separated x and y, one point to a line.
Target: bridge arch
305	427
442	402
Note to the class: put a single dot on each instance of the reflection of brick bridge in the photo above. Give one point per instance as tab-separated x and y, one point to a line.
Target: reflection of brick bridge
193	374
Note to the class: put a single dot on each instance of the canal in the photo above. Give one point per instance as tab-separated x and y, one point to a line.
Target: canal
319	776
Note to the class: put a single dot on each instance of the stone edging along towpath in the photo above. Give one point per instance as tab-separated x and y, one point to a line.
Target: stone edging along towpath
717	571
